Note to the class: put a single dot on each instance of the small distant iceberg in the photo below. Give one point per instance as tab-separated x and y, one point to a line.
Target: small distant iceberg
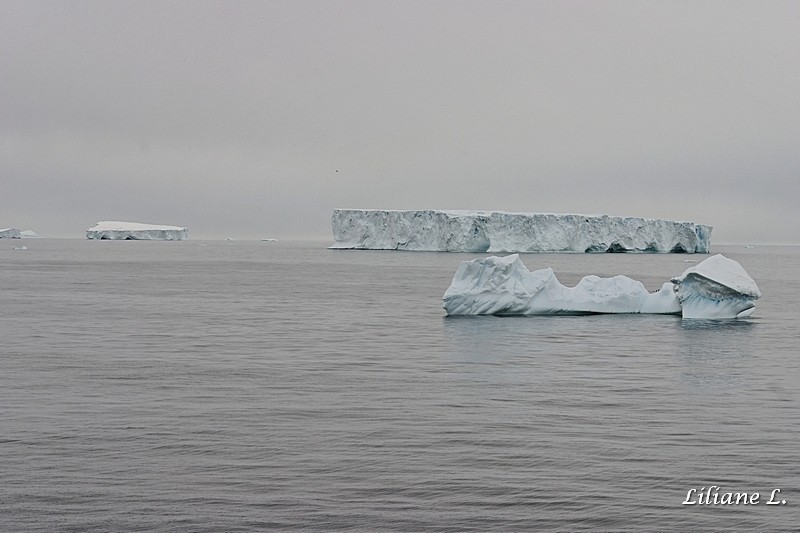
269	240
23	247
10	233
14	233
134	231
716	288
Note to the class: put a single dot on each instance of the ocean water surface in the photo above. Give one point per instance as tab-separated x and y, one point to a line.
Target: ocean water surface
239	386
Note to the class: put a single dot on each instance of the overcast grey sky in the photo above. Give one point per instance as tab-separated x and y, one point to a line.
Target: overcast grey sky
232	118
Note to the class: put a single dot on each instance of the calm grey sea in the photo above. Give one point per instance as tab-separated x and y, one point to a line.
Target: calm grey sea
238	386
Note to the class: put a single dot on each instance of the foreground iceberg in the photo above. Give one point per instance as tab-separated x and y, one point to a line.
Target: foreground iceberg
497	231
132	231
505	286
716	288
9	233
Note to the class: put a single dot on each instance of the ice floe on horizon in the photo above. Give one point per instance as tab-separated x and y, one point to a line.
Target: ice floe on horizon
132	231
10	233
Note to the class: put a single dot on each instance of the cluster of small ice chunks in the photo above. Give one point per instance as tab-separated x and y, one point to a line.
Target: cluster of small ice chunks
716	288
498	231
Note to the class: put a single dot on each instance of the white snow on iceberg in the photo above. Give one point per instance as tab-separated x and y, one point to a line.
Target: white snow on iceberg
28	234
505	286
716	288
132	231
9	233
498	231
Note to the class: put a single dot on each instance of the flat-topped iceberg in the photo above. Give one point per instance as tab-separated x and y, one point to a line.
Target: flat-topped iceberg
134	231
498	231
716	288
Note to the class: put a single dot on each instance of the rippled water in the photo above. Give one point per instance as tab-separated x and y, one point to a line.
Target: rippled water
224	386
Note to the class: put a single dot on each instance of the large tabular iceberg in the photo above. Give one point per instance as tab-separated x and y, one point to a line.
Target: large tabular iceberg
10	233
497	231
716	288
133	231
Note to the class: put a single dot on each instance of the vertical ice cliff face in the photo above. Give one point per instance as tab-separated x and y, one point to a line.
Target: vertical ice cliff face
497	231
133	231
408	230
716	288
